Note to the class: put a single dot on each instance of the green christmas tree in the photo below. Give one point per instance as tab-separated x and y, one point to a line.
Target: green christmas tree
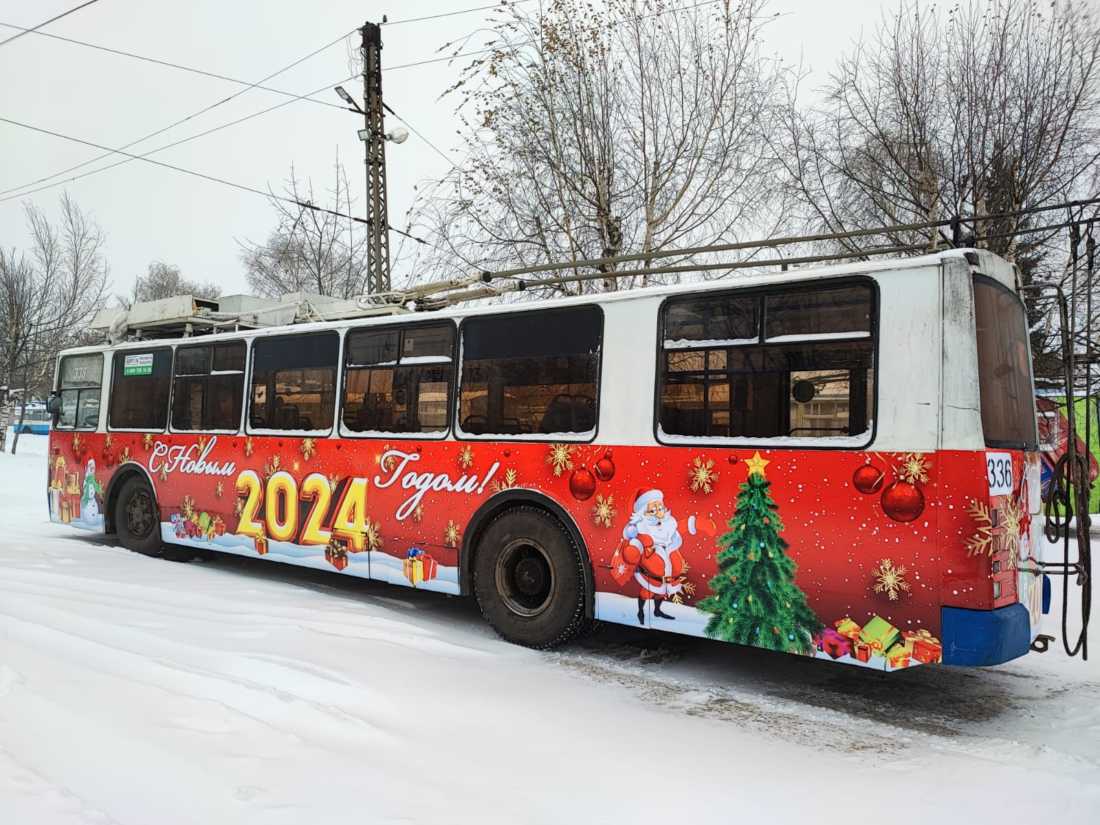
754	600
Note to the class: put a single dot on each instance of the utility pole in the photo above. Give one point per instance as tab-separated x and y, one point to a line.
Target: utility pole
374	138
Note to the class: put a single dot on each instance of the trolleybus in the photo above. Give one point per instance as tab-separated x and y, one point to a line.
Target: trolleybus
838	462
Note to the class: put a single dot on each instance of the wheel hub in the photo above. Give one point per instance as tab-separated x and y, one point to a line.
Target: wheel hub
525	577
139	515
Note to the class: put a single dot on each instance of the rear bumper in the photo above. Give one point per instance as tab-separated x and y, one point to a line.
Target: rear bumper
984	637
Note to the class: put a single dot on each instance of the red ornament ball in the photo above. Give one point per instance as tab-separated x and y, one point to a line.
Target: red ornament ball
868	479
903	501
605	469
582	484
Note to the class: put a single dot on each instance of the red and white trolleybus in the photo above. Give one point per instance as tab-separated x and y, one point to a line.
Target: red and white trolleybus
838	462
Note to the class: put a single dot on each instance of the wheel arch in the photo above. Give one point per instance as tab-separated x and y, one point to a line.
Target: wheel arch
507	500
124	473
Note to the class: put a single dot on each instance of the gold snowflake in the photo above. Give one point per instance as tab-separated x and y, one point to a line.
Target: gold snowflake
372	535
508	482
604	510
451	535
913	468
890	580
164	473
238	508
248	447
333	482
1011	516
465	457
202	443
125	455
108	442
687	592
187	506
981	541
702	475
77	441
147	441
560	457
308	448
219	489
418	513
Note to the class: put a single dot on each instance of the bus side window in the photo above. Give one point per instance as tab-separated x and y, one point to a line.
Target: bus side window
398	380
294	382
795	363
208	387
79	388
531	373
140	384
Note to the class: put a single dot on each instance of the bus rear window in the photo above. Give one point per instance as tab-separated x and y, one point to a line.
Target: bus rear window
79	387
1004	371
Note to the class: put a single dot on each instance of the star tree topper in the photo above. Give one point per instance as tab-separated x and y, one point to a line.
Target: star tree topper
756	465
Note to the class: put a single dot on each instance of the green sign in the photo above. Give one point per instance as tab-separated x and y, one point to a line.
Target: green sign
138	364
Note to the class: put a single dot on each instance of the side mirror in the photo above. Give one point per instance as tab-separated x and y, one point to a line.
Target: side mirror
53	404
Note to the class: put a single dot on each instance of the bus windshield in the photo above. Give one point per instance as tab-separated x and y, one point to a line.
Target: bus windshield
1004	371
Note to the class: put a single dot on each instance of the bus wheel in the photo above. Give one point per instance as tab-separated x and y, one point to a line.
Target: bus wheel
137	518
529	579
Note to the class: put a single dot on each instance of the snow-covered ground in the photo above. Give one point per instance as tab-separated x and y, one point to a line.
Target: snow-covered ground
140	691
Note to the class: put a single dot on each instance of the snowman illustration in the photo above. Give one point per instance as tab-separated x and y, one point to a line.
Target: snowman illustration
89	504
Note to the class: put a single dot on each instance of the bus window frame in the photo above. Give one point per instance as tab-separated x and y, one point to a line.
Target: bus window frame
250	371
536	438
994	443
452	389
171	347
245	378
771	442
104	382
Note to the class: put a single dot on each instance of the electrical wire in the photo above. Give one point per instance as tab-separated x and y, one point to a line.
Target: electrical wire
501	5
53	19
202	175
248	87
169	64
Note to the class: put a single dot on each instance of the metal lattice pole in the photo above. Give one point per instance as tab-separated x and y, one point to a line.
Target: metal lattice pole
378	250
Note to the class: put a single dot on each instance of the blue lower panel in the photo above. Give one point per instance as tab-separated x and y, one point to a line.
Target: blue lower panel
984	637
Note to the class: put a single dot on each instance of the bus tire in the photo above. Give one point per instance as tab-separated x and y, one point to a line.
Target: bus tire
137	518
529	579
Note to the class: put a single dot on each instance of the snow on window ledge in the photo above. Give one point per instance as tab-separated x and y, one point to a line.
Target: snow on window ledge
835	442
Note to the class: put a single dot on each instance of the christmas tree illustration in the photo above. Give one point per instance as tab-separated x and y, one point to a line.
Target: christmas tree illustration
754	600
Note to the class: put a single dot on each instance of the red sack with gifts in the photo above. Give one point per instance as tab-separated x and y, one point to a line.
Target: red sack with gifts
621	569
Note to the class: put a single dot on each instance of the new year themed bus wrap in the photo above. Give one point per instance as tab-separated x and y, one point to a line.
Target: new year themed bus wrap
850	556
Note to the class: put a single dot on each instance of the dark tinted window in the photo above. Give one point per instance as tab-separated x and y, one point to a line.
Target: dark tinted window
398	381
209	386
819	387
140	383
833	311
79	389
1004	370
531	373
294	382
718	318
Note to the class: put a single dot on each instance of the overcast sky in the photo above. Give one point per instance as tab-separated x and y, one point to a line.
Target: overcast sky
151	213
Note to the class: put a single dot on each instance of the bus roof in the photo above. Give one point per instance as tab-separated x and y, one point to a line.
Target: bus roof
1002	271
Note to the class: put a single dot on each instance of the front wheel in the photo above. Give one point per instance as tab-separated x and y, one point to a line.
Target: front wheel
529	579
137	518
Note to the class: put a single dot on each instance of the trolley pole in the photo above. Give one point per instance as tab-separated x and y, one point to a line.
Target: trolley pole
378	250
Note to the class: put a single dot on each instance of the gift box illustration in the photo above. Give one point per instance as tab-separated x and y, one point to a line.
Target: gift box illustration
847	628
419	566
898	656
834	644
880	635
923	646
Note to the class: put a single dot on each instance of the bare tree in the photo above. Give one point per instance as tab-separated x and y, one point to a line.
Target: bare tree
165	281
597	130
48	296
991	106
309	250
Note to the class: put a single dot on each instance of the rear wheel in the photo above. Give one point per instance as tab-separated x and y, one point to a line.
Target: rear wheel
529	579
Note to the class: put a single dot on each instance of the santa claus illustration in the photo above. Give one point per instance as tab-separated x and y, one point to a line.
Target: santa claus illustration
651	549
